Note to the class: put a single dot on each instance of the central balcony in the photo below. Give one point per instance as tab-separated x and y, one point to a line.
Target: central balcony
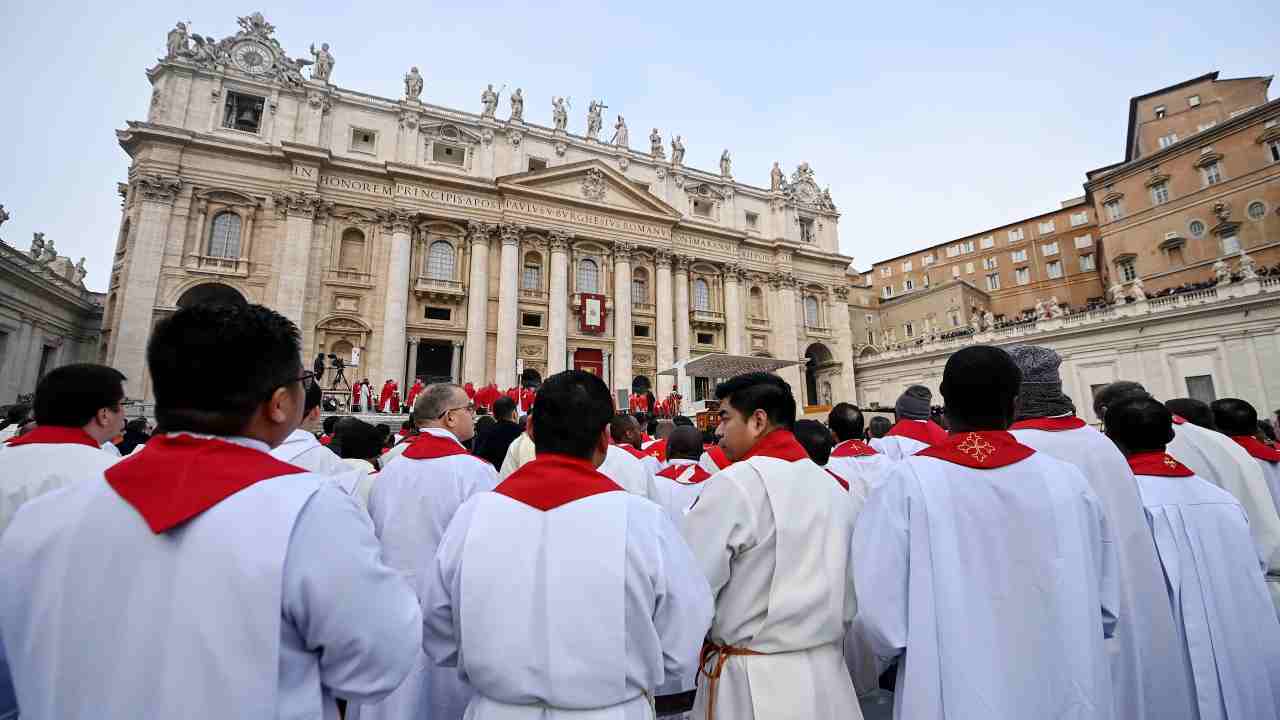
706	318
450	291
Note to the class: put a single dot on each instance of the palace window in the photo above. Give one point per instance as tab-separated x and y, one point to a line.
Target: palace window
1273	149
639	286
908	330
886	271
906	266
448	154
955	272
966	246
1079	218
1197	228
1212	173
1087	263
927	260
640	330
1200	387
987	242
1084	241
1049	249
811	311
953	251
531	278
588	276
1193	101
1160	111
752	220
224	237
1230	242
887	291
536	164
1256	210
1167	140
438	313
1018	256
351	251
1160	193
806	230
993	281
364	141
701	295
531	320
1128	271
990	263
908	285
1046	227
441	261
1021	276
1114	211
968	268
1016	235
706	339
1054	269
757	303
242	112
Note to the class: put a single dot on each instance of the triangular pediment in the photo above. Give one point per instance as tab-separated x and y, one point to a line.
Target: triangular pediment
592	182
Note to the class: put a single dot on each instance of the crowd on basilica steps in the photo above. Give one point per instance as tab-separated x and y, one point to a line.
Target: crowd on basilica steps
560	560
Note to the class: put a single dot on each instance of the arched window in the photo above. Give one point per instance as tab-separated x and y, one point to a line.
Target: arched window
224	237
351	251
588	276
531	279
701	295
639	286
811	311
441	261
757	303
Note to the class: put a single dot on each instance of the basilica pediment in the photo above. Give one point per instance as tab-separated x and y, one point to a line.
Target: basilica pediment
591	182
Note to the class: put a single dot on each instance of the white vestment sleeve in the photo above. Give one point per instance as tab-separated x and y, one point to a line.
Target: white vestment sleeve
719	526
360	615
684	609
440	587
8	696
1108	570
882	566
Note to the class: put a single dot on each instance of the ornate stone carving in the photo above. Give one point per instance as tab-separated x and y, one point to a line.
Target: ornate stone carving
624	162
176	42
37	245
80	272
530	351
732	271
157	188
662	258
413	84
323	62
777	178
682	262
517	106
297	204
781	280
643	359
409	120
660	172
510	234
1247	267
397	220
841	292
3	215
1137	291
677	151
558	241
1222	211
1221	272
595	119
593	184
621	136
486	136
488	102
561	147
479	232
656	149
803	190
515	136
622	250
559	116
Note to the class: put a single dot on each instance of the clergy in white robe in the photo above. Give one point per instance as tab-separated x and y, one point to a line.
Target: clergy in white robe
772	533
1145	675
680	482
302	449
913	429
412	503
988	567
203	578
630	473
519	454
852	456
1229	635
77	409
626	433
1238	420
559	595
713	459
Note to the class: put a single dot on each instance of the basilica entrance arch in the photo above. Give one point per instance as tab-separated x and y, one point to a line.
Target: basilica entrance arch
435	361
211	294
817	375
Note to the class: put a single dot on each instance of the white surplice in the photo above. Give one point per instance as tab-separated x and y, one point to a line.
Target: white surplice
896	447
411	504
868	469
582	611
302	449
520	453
680	490
33	470
1145	676
1003	582
773	537
1230	637
266	605
629	472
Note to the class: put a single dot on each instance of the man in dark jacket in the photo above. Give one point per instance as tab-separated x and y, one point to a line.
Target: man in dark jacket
492	443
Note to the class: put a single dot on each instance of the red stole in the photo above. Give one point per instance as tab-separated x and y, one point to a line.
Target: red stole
675	471
658	450
551	480
56	435
853	448
925	431
780	444
717	456
429	447
1157	463
1255	447
637	454
982	450
843	483
180	476
1054	424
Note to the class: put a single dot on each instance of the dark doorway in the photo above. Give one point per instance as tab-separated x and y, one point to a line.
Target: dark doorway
815	357
435	361
211	294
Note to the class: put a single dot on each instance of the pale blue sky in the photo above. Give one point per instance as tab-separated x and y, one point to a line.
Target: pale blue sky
928	122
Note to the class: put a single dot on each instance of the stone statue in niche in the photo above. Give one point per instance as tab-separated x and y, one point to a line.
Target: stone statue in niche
488	102
621	137
777	178
655	145
559	113
323	62
517	106
677	151
725	164
413	83
176	44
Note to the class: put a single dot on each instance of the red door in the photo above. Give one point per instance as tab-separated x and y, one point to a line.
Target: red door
590	360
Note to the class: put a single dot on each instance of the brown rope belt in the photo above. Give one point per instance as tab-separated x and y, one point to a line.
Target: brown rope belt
720	654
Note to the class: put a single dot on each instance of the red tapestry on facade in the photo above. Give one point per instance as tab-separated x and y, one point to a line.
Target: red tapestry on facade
592	318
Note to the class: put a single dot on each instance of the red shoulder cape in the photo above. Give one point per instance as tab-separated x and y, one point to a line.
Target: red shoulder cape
982	450
1157	463
1057	424
550	481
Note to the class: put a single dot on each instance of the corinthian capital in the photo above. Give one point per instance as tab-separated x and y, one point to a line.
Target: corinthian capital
682	262
396	220
297	204
558	240
662	258
157	188
733	272
841	292
622	250
781	280
479	232
510	234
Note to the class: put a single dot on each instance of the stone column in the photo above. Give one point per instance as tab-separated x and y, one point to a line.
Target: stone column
733	273
784	285
411	372
455	364
847	389
665	331
395	304
682	307
313	112
407	138
137	295
299	211
622	326
477	302
508	302
558	304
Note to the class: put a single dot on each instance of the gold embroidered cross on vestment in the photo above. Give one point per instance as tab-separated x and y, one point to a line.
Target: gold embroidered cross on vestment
977	448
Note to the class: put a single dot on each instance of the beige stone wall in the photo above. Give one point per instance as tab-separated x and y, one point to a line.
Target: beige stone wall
1218	100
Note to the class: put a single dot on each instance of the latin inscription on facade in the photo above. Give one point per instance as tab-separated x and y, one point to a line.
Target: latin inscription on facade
693	242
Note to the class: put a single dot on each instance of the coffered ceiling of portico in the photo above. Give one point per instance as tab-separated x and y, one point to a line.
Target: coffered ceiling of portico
591	182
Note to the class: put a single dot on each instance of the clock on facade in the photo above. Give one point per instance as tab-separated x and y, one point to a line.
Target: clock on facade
252	57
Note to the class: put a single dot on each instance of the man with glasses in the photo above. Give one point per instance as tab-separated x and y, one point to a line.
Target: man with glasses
412	503
202	578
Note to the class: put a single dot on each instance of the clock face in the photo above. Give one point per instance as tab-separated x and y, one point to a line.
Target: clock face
252	57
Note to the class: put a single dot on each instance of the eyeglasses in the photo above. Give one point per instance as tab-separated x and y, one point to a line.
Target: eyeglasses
303	378
469	407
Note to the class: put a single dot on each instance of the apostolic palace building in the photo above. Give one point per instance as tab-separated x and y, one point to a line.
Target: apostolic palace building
419	240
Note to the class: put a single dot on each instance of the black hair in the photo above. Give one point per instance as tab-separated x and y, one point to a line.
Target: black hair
384	429
570	411
816	440
15	415
70	396
355	438
1234	417
1267	431
188	355
980	386
503	407
313	398
846	421
136	425
1113	393
651	427
619	425
684	443
681	420
1138	423
754	391
483	422
1196	412
878	426
329	424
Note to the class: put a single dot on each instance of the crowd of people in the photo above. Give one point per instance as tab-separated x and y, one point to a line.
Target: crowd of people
994	558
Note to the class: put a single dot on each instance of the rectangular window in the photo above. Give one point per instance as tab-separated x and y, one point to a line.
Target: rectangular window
242	112
967	246
1160	194
887	291
1113	210
953	250
1128	271
448	154
531	320
1021	276
908	285
640	331
968	268
906	266
752	220
925	280
1018	256
1054	269
806	230
438	313
1273	149
1015	235
1159	111
532	278
536	164
1046	227
908	330
1193	101
1167	140
364	141
927	260
1079	218
993	281
955	271
987	242
1087	263
886	271
1049	249
1212	173
706	338
1200	387
990	263
1084	241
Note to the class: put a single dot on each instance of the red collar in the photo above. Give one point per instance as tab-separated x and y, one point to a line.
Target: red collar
843	483
1050	424
925	431
675	471
637	454
1179	420
1252	445
56	435
429	447
780	444
716	453
853	448
1157	463
180	476
981	450
657	449
550	481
